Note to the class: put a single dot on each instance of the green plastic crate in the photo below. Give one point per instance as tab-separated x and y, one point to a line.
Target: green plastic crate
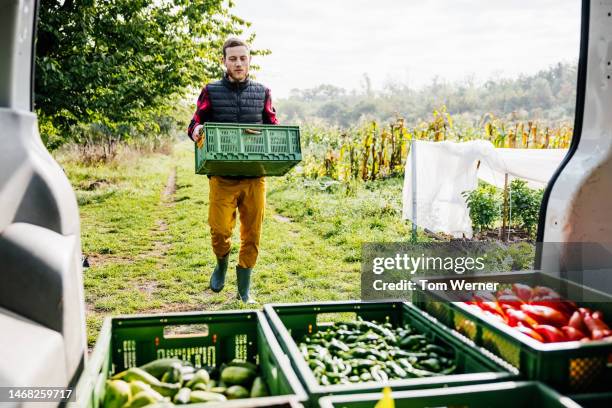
205	339
292	321
498	395
593	400
569	367
247	150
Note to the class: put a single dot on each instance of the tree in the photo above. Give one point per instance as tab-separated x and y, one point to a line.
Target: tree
114	62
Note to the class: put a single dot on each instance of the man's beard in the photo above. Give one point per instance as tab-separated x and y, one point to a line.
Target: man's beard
246	74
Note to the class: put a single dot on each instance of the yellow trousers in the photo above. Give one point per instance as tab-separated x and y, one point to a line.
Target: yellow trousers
249	197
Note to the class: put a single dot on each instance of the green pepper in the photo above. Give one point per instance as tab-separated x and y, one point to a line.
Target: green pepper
412	341
359	352
366	376
369	336
375	372
304	350
449	370
431	364
434	348
410	369
397	370
404	353
339	345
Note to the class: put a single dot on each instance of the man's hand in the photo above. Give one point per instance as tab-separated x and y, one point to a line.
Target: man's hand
197	133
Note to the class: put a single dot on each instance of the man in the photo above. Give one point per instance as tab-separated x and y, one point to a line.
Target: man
234	99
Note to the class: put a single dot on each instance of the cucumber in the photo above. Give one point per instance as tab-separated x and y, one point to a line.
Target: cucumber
237	376
237	392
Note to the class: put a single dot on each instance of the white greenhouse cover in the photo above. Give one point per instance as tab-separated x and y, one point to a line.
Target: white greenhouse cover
446	169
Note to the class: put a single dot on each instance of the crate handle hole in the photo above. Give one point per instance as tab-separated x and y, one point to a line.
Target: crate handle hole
185	330
324	319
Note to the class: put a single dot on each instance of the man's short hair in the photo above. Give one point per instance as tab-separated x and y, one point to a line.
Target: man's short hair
234	42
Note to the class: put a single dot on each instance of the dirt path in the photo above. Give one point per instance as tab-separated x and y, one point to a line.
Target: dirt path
162	239
170	186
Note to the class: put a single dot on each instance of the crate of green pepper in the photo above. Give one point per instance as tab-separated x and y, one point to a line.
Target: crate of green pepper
357	347
217	358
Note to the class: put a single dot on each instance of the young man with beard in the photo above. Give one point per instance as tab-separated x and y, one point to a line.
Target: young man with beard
234	99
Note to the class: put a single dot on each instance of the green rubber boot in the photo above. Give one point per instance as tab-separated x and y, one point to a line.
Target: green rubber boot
243	277
217	279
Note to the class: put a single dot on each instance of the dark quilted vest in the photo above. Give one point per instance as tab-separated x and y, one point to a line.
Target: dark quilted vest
237	102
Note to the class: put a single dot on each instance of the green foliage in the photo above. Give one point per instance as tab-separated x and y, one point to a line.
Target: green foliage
525	205
373	150
484	204
120	63
546	95
50	134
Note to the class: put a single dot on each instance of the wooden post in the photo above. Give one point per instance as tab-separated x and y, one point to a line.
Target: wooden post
505	225
414	190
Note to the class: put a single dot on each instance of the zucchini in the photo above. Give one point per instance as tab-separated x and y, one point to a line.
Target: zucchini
237	392
143	398
118	393
158	367
205	396
182	396
259	388
200	376
244	364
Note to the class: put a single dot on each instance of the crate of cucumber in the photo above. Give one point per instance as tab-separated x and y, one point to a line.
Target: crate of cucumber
229	358
231	149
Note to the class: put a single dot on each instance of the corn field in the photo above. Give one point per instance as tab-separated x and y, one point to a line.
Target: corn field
373	151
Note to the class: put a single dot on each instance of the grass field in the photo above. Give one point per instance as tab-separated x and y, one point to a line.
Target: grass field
145	233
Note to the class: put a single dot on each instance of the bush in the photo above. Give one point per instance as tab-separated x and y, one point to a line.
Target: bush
51	136
524	205
484	204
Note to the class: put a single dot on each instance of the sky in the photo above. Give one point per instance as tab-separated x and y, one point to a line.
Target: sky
336	42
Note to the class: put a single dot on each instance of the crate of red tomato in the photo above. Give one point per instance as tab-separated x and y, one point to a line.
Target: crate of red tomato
548	337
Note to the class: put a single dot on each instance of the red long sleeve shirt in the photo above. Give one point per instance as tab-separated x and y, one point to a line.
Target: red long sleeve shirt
203	111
